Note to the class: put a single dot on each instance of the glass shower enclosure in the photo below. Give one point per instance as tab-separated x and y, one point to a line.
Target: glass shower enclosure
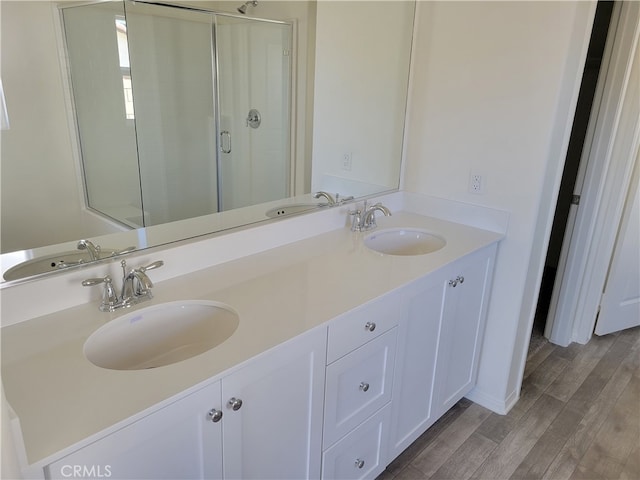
179	112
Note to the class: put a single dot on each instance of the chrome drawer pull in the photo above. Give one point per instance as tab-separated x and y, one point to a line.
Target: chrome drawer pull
364	386
371	326
359	463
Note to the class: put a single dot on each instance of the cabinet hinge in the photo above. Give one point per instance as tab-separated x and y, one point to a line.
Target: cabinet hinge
575	200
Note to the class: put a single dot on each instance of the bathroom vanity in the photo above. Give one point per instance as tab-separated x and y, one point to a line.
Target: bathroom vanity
342	357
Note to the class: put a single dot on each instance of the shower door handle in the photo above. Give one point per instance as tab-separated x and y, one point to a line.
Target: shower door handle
225	141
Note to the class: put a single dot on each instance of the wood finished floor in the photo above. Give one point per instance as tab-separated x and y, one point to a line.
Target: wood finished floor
578	417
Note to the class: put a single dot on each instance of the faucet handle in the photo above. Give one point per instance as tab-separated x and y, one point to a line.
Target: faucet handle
356	223
151	266
123	251
90	282
340	200
138	283
109	297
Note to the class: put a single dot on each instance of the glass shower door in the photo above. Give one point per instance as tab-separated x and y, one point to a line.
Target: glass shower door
254	95
171	53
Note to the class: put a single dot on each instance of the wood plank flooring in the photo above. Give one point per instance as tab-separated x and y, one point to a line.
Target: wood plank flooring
578	417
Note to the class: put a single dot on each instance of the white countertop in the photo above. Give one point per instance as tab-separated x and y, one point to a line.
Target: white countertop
62	399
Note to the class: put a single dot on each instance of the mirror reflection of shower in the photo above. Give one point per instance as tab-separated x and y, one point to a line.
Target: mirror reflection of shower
156	119
243	8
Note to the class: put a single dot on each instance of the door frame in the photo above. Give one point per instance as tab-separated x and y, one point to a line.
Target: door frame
613	139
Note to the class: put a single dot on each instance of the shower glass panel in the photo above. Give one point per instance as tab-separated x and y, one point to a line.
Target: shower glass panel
99	72
254	81
180	112
172	77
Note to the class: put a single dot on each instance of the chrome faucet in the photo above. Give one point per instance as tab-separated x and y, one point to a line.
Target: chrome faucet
93	250
365	219
330	200
136	287
369	216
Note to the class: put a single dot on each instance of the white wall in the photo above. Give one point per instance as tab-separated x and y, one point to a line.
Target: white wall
38	131
494	88
368	41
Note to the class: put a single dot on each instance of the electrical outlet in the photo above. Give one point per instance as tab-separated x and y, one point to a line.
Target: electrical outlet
346	161
476	183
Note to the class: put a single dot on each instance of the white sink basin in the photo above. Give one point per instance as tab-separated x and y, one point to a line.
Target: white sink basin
161	335
404	241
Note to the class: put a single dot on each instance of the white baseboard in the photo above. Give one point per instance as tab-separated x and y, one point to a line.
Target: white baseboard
496	405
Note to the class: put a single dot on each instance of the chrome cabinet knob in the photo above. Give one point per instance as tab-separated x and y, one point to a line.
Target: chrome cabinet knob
371	326
215	415
364	386
234	403
359	463
458	280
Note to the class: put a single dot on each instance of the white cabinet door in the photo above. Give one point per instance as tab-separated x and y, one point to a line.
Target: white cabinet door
177	441
464	311
418	332
276	432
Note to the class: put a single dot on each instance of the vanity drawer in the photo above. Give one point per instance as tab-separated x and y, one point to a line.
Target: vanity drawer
358	327
362	453
358	385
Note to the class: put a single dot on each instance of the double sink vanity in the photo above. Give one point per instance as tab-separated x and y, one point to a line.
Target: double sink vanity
269	344
321	358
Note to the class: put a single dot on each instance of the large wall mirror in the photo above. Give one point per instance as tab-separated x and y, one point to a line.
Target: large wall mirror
133	124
